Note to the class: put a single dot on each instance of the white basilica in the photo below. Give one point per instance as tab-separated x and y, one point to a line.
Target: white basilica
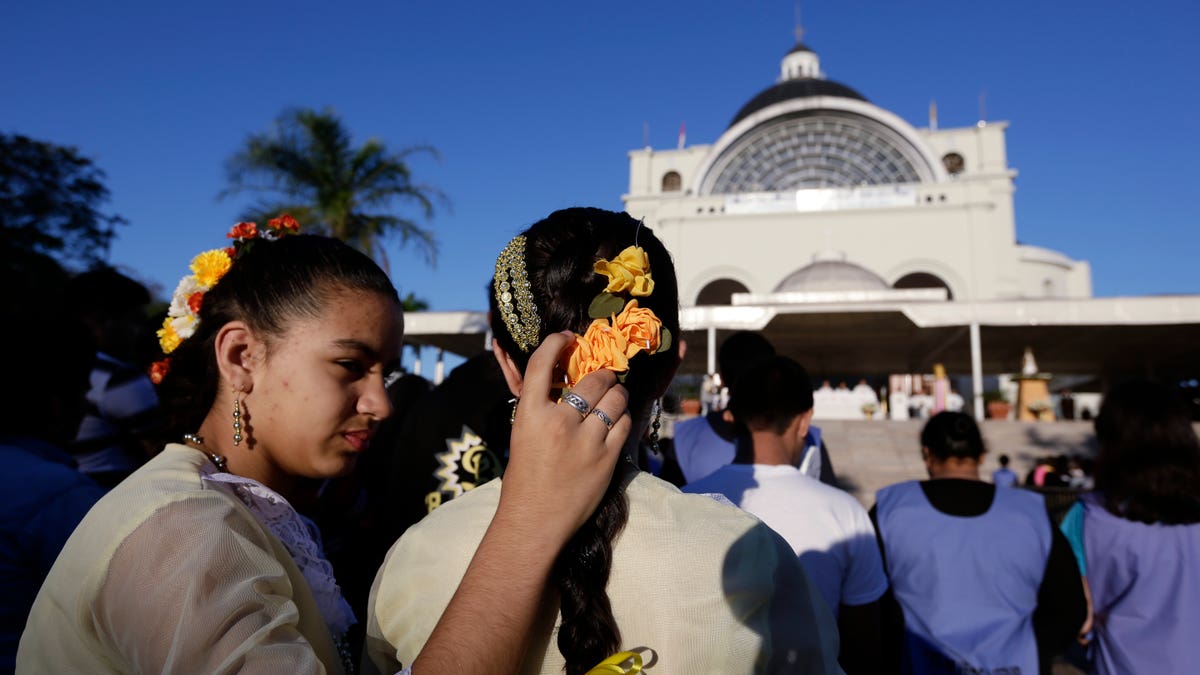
813	189
862	245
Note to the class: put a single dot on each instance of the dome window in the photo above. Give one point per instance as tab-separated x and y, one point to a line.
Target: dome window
672	182
954	163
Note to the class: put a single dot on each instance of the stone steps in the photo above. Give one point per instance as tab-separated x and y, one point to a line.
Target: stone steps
869	455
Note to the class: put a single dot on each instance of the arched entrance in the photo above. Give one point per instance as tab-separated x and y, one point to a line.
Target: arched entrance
923	280
720	292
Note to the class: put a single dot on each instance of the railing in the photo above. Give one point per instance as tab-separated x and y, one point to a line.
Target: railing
1058	499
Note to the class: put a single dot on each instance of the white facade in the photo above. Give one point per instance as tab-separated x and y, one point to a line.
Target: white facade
813	189
862	244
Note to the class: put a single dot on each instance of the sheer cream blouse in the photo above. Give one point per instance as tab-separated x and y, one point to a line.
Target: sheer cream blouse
172	573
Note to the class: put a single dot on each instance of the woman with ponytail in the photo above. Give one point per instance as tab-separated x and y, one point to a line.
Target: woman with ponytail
685	583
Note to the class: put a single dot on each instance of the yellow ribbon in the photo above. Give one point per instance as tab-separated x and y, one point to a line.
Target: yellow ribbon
613	665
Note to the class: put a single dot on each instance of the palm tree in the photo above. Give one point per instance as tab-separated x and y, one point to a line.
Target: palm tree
411	303
307	166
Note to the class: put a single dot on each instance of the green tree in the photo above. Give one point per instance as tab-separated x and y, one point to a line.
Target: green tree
411	303
306	166
49	203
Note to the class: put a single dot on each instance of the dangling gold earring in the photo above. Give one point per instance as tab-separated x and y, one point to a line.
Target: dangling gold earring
654	426
237	418
512	417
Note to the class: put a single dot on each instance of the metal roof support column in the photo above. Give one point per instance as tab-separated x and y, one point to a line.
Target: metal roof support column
976	371
712	350
439	371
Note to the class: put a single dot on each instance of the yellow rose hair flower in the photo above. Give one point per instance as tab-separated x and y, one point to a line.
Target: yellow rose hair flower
210	266
628	272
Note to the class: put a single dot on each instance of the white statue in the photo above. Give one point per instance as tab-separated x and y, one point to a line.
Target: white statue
1028	365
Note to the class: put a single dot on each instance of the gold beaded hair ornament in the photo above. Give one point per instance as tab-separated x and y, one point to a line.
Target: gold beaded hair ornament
208	268
620	329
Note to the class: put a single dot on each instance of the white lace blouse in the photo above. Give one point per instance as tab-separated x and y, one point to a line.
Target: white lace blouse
302	539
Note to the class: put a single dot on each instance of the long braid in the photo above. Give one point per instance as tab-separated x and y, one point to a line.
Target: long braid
589	633
560	252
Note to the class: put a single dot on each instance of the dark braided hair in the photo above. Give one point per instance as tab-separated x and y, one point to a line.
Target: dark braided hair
559	254
269	285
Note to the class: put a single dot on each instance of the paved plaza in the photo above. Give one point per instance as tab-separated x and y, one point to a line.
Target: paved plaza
869	455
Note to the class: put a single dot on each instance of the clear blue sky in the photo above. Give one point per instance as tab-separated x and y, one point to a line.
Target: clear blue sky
534	106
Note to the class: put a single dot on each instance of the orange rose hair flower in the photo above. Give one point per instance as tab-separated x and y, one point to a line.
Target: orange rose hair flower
243	231
621	328
602	346
284	223
640	327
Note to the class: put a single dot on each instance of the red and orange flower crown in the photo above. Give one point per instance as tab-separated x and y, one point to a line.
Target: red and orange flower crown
620	329
207	269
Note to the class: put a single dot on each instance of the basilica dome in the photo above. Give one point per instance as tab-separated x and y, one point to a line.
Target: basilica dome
789	89
808	132
831	275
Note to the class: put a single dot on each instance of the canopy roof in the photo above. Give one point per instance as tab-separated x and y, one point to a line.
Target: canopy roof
1154	335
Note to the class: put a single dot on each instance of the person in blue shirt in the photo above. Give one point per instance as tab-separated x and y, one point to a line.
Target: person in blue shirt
1004	476
981	580
704	444
45	496
1137	537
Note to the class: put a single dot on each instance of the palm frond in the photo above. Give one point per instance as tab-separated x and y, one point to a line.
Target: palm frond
307	164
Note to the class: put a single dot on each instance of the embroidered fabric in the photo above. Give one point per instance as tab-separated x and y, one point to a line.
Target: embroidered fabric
301	538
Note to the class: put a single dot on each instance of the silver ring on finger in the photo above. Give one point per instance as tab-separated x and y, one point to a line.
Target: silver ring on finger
577	402
603	416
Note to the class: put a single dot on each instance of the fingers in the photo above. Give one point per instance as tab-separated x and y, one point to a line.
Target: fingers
594	386
614	442
555	444
539	373
596	391
613	403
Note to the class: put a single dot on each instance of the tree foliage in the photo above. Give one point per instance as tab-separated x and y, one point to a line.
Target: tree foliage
411	303
49	203
306	166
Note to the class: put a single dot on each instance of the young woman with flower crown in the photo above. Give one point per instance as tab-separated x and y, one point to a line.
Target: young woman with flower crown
685	583
279	348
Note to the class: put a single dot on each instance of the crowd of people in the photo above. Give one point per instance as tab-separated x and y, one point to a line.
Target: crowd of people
274	496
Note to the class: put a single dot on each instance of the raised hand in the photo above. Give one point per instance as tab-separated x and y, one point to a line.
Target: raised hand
560	458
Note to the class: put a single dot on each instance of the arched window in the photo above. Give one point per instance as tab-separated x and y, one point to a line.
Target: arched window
923	280
720	292
672	182
954	163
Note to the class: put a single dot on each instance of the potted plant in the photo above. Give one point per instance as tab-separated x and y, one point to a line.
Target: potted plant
1041	408
998	407
687	390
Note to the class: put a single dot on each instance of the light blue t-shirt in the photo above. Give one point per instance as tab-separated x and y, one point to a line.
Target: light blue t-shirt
1004	477
1145	585
960	613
